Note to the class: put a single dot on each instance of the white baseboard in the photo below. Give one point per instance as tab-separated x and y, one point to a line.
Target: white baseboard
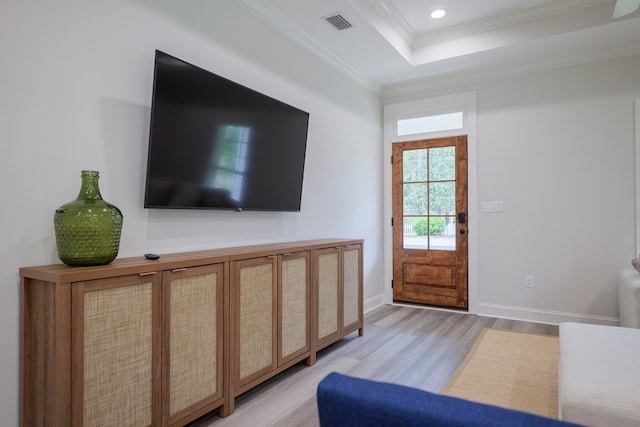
540	316
372	303
515	313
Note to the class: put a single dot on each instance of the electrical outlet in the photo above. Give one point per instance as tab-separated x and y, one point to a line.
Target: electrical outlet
528	281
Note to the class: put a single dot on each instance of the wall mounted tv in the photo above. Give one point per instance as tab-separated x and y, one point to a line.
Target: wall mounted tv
215	144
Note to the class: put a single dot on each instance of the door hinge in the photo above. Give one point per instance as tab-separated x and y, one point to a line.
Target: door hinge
391	284
391	159
392	221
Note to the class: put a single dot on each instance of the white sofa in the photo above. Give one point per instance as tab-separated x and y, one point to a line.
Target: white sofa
629	298
599	375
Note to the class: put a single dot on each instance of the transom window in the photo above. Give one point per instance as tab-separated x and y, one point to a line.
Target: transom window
433	123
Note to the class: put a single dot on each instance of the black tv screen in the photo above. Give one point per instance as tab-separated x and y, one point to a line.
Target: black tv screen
215	144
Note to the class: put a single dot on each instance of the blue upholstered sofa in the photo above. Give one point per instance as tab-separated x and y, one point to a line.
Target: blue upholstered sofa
354	402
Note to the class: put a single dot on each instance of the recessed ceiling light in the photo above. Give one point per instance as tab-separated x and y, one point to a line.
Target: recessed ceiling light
438	13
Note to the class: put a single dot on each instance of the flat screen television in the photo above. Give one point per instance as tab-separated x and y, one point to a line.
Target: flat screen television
215	144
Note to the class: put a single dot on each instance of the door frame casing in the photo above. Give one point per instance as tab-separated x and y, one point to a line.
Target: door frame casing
637	170
465	102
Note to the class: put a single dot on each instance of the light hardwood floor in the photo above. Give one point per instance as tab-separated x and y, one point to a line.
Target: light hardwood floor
413	346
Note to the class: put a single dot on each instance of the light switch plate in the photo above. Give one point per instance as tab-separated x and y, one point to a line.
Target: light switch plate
492	207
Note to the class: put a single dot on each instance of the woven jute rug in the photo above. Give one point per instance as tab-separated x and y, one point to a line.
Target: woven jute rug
511	369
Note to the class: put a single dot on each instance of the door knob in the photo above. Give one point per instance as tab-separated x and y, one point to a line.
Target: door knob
462	231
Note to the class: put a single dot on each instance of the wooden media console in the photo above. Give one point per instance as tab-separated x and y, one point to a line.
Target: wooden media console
163	342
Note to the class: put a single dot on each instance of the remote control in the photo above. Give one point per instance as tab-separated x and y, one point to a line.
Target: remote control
151	256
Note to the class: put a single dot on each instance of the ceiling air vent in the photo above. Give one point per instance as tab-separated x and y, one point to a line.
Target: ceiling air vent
338	21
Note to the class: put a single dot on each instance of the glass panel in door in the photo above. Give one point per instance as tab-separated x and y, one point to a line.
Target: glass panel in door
429	198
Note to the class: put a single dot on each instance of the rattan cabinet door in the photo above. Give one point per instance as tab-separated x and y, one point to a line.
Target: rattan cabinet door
352	287
192	336
328	295
115	345
255	319
294	306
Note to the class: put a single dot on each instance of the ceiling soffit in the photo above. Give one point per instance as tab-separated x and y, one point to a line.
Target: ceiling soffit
384	50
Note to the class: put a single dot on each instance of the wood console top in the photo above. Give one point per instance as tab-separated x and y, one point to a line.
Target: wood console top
170	261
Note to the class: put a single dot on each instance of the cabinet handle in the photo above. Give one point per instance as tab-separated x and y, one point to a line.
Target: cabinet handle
150	273
177	270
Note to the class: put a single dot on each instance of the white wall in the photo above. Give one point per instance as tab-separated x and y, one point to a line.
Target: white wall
557	148
75	89
75	82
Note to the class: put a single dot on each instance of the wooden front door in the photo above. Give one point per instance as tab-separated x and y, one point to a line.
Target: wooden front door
430	249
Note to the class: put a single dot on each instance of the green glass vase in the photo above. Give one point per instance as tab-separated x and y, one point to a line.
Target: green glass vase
88	228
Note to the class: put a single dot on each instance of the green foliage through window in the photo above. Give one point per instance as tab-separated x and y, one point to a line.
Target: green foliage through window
420	227
436	226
